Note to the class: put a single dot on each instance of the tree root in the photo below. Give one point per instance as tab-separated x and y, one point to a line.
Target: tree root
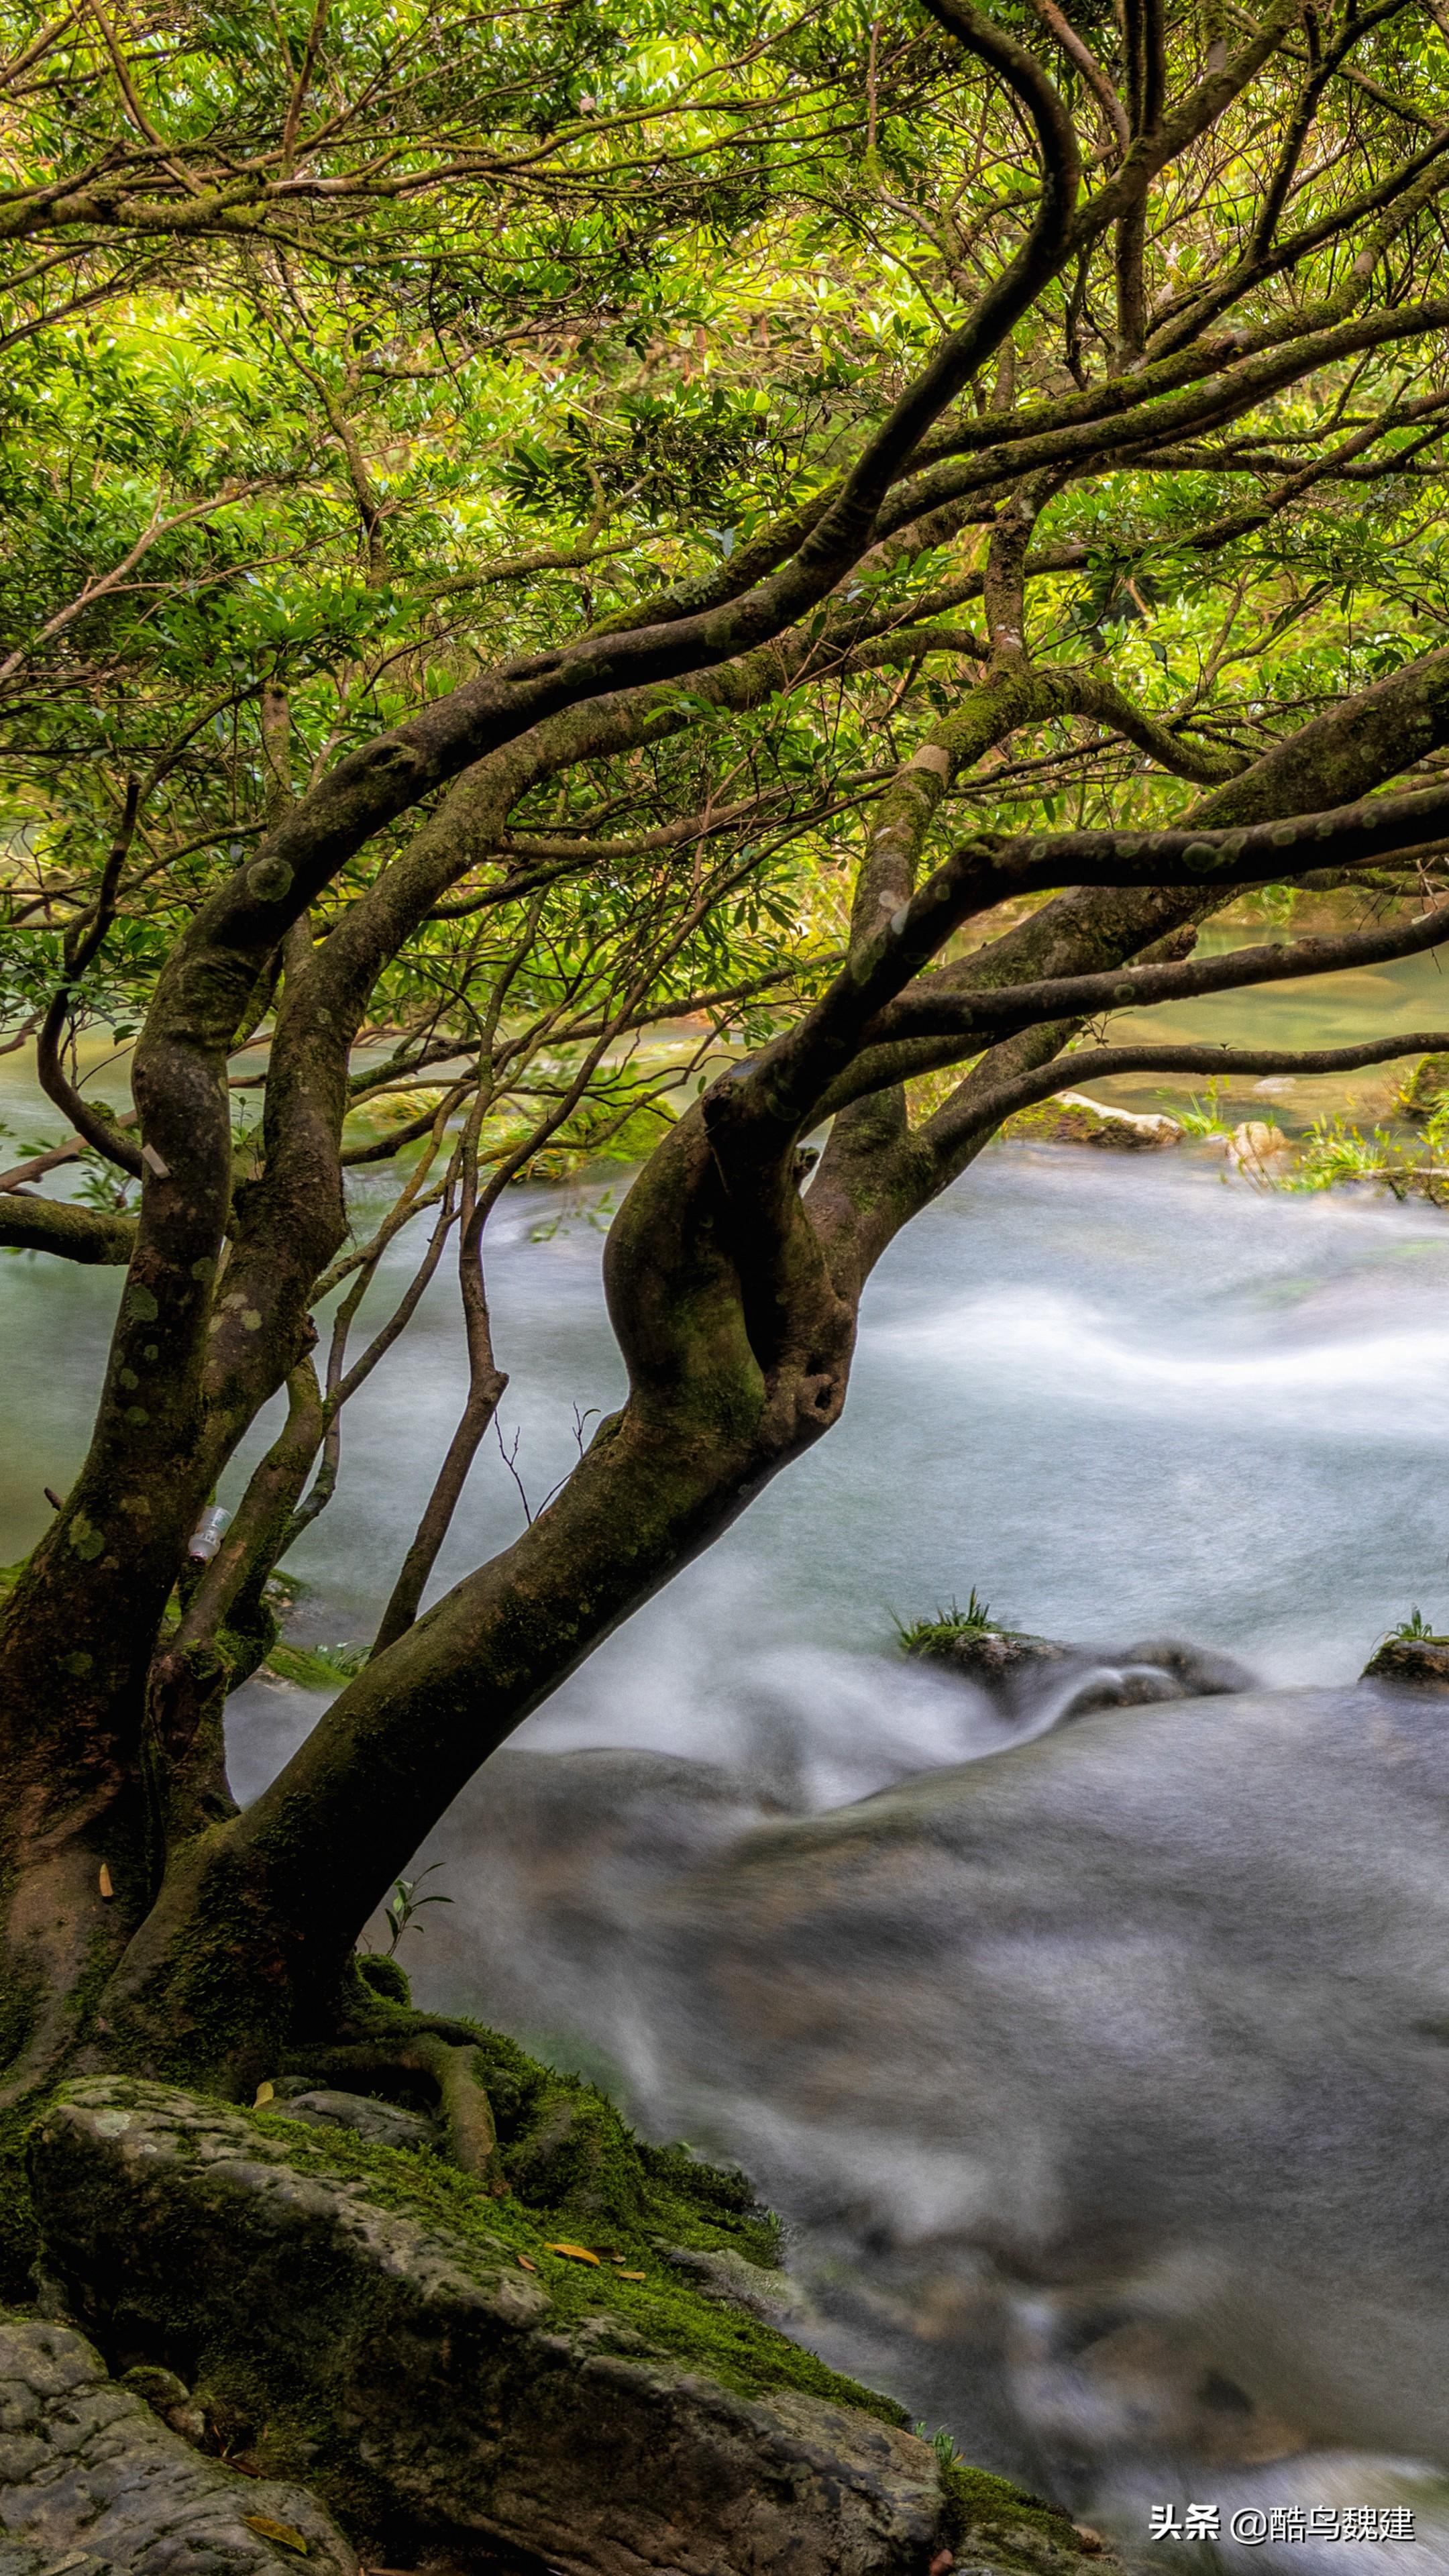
449	2058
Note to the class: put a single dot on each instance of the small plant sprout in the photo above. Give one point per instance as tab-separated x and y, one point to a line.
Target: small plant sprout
1204	1118
405	1905
1335	1152
942	2442
343	1659
1416	1631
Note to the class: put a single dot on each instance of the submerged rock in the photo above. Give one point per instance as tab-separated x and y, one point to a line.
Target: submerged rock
376	2324
1079	2071
1015	1667
993	1658
93	2481
1202	1671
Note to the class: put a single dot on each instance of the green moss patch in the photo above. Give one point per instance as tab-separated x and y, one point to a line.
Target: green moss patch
19	2236
597	2186
314	1667
1017	2529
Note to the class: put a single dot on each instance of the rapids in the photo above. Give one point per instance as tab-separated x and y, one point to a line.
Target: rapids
1100	2069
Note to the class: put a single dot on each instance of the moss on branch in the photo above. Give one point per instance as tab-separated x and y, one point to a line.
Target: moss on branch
58	1225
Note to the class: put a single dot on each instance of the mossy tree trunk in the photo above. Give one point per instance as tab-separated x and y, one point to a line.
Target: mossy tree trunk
146	1922
225	1936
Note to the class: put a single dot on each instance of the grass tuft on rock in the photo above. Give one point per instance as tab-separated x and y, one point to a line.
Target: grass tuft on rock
927	1636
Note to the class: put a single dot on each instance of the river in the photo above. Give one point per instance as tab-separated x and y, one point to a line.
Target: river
1101	2076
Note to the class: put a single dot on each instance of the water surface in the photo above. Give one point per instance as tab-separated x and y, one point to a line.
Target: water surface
1101	2077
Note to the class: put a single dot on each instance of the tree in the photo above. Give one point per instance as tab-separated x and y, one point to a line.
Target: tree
1180	446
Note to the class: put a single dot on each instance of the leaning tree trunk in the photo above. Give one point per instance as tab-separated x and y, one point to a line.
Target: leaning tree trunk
148	1926
238	1946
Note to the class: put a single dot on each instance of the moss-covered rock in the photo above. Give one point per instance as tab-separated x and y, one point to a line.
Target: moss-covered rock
444	2368
1010	1662
19	2238
1070	1118
987	2518
992	1658
319	1668
92	2479
1419	1663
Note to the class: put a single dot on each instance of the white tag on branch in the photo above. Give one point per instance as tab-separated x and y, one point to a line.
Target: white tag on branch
153	1163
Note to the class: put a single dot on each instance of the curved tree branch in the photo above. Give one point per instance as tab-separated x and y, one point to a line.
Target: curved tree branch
58	1225
944	1005
1096	1064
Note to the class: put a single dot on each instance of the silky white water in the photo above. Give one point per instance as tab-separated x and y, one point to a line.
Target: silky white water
1113	1395
1100	2072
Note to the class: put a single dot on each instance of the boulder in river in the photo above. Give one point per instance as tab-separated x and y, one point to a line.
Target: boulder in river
450	2379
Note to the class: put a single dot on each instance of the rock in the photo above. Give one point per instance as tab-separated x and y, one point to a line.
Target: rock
16	2561
441	2396
1110	1687
774	2296
1015	1667
92	2480
379	2124
1072	1118
168	2397
992	1658
1257	1147
1202	1672
1421	1663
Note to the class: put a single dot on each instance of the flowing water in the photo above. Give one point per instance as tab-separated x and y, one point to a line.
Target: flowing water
1101	2068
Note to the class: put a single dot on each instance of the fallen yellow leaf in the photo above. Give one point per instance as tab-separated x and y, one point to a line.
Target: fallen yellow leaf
633	2276
524	2264
106	1888
264	2093
576	2254
286	2536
